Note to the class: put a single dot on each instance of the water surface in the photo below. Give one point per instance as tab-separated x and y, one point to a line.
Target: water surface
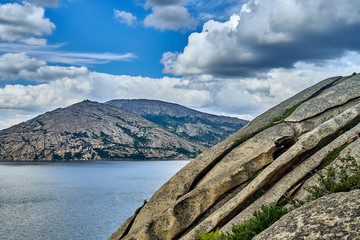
77	200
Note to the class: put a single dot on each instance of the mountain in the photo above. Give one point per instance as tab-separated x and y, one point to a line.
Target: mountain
270	161
202	128
92	131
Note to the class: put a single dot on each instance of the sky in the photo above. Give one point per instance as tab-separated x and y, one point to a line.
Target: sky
228	57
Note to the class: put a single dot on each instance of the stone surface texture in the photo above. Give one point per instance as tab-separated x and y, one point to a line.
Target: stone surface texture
335	216
222	186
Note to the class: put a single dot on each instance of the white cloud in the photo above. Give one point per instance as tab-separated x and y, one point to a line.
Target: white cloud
125	17
11	117
170	18
269	34
246	97
66	85
51	53
81	58
169	15
15	66
23	23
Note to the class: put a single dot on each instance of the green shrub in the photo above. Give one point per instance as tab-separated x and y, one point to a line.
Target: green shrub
262	220
247	230
331	181
217	235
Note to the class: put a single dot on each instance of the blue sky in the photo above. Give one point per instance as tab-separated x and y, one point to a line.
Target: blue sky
95	29
226	57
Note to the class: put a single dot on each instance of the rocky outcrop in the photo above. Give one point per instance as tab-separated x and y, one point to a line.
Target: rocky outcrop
336	216
96	131
202	128
92	131
271	157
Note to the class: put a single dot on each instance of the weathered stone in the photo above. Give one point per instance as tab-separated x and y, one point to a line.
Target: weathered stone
278	167
254	153
211	191
334	96
336	216
311	123
186	178
121	231
274	194
353	150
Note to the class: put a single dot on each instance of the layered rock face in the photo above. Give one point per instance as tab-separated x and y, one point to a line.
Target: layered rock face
275	154
336	216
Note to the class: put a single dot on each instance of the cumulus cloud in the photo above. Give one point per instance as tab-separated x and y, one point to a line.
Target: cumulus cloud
65	85
249	96
125	17
24	23
15	66
169	15
170	18
95	86
269	34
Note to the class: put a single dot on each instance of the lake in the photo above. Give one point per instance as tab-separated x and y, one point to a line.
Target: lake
75	200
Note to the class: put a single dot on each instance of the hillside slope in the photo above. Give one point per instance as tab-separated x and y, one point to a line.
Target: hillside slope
270	159
91	131
202	128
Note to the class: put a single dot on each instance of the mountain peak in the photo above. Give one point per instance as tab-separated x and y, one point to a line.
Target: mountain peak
90	130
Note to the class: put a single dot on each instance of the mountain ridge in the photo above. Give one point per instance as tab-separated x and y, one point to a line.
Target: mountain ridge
93	131
203	128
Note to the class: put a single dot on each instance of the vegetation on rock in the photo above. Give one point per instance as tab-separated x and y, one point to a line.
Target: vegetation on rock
273	122
247	230
330	181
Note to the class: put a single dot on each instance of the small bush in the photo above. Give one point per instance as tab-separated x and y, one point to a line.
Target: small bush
247	230
262	220
332	181
217	235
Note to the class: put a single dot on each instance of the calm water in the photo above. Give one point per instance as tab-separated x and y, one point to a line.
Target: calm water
86	200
